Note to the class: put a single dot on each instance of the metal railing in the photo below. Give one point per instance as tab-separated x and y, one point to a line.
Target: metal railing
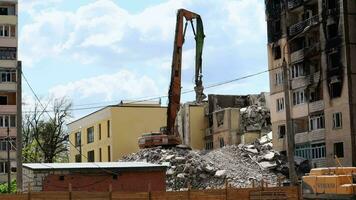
302	25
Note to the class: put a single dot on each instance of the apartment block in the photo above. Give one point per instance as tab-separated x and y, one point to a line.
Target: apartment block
8	85
316	41
112	132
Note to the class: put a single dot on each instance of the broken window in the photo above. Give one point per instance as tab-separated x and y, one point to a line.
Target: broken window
335	87
334	60
280	104
331	4
339	149
315	94
277	52
279	78
337	120
220	118
316	122
281	131
298	70
298	97
332	30
222	142
91	156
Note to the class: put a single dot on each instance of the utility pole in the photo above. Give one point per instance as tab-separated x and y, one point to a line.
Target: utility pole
289	123
8	147
19	128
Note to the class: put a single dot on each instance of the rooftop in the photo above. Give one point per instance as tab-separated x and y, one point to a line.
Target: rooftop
91	165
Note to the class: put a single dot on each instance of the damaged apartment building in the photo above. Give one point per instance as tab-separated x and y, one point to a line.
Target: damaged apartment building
224	120
314	41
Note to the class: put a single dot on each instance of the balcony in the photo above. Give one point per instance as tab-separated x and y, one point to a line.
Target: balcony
303	25
300	82
304	137
8	19
315	77
3	132
312	50
294	3
316	106
8	86
8	109
297	56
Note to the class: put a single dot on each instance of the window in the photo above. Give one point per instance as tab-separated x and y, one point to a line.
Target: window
3	100
331	4
99	130
337	120
108	125
8	53
3	11
279	78
298	70
334	60
78	139
78	158
332	31
3	145
7	30
318	150
209	145
280	104
298	97
277	52
109	154
3	167
339	149
281	131
90	135
335	87
316	122
100	158
91	156
303	150
5	119
314	94
8	75
222	142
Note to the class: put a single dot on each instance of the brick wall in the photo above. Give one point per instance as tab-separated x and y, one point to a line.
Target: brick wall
125	181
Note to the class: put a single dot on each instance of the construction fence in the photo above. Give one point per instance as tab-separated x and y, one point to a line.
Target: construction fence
287	193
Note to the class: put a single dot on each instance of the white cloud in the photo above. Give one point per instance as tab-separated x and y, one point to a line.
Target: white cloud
122	84
103	24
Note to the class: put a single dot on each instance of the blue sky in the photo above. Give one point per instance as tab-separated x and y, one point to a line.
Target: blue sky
99	52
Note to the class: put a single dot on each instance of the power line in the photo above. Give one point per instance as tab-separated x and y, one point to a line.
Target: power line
147	98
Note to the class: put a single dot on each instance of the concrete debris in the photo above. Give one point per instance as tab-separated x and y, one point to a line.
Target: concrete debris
255	118
220	173
239	165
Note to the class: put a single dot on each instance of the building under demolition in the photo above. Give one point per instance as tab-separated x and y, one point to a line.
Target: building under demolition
315	41
224	120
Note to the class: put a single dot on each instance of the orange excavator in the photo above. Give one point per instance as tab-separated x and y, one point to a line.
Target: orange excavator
168	135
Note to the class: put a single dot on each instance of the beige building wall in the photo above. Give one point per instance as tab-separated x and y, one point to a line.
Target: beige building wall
121	126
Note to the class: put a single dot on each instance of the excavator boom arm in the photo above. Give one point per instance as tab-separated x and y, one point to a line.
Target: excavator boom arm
175	85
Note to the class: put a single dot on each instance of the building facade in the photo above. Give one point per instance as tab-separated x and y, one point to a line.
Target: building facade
94	177
8	85
112	132
315	41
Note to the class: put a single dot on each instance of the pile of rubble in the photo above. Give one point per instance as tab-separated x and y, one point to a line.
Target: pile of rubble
239	165
255	118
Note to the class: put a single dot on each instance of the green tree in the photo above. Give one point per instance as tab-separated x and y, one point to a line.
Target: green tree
45	136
